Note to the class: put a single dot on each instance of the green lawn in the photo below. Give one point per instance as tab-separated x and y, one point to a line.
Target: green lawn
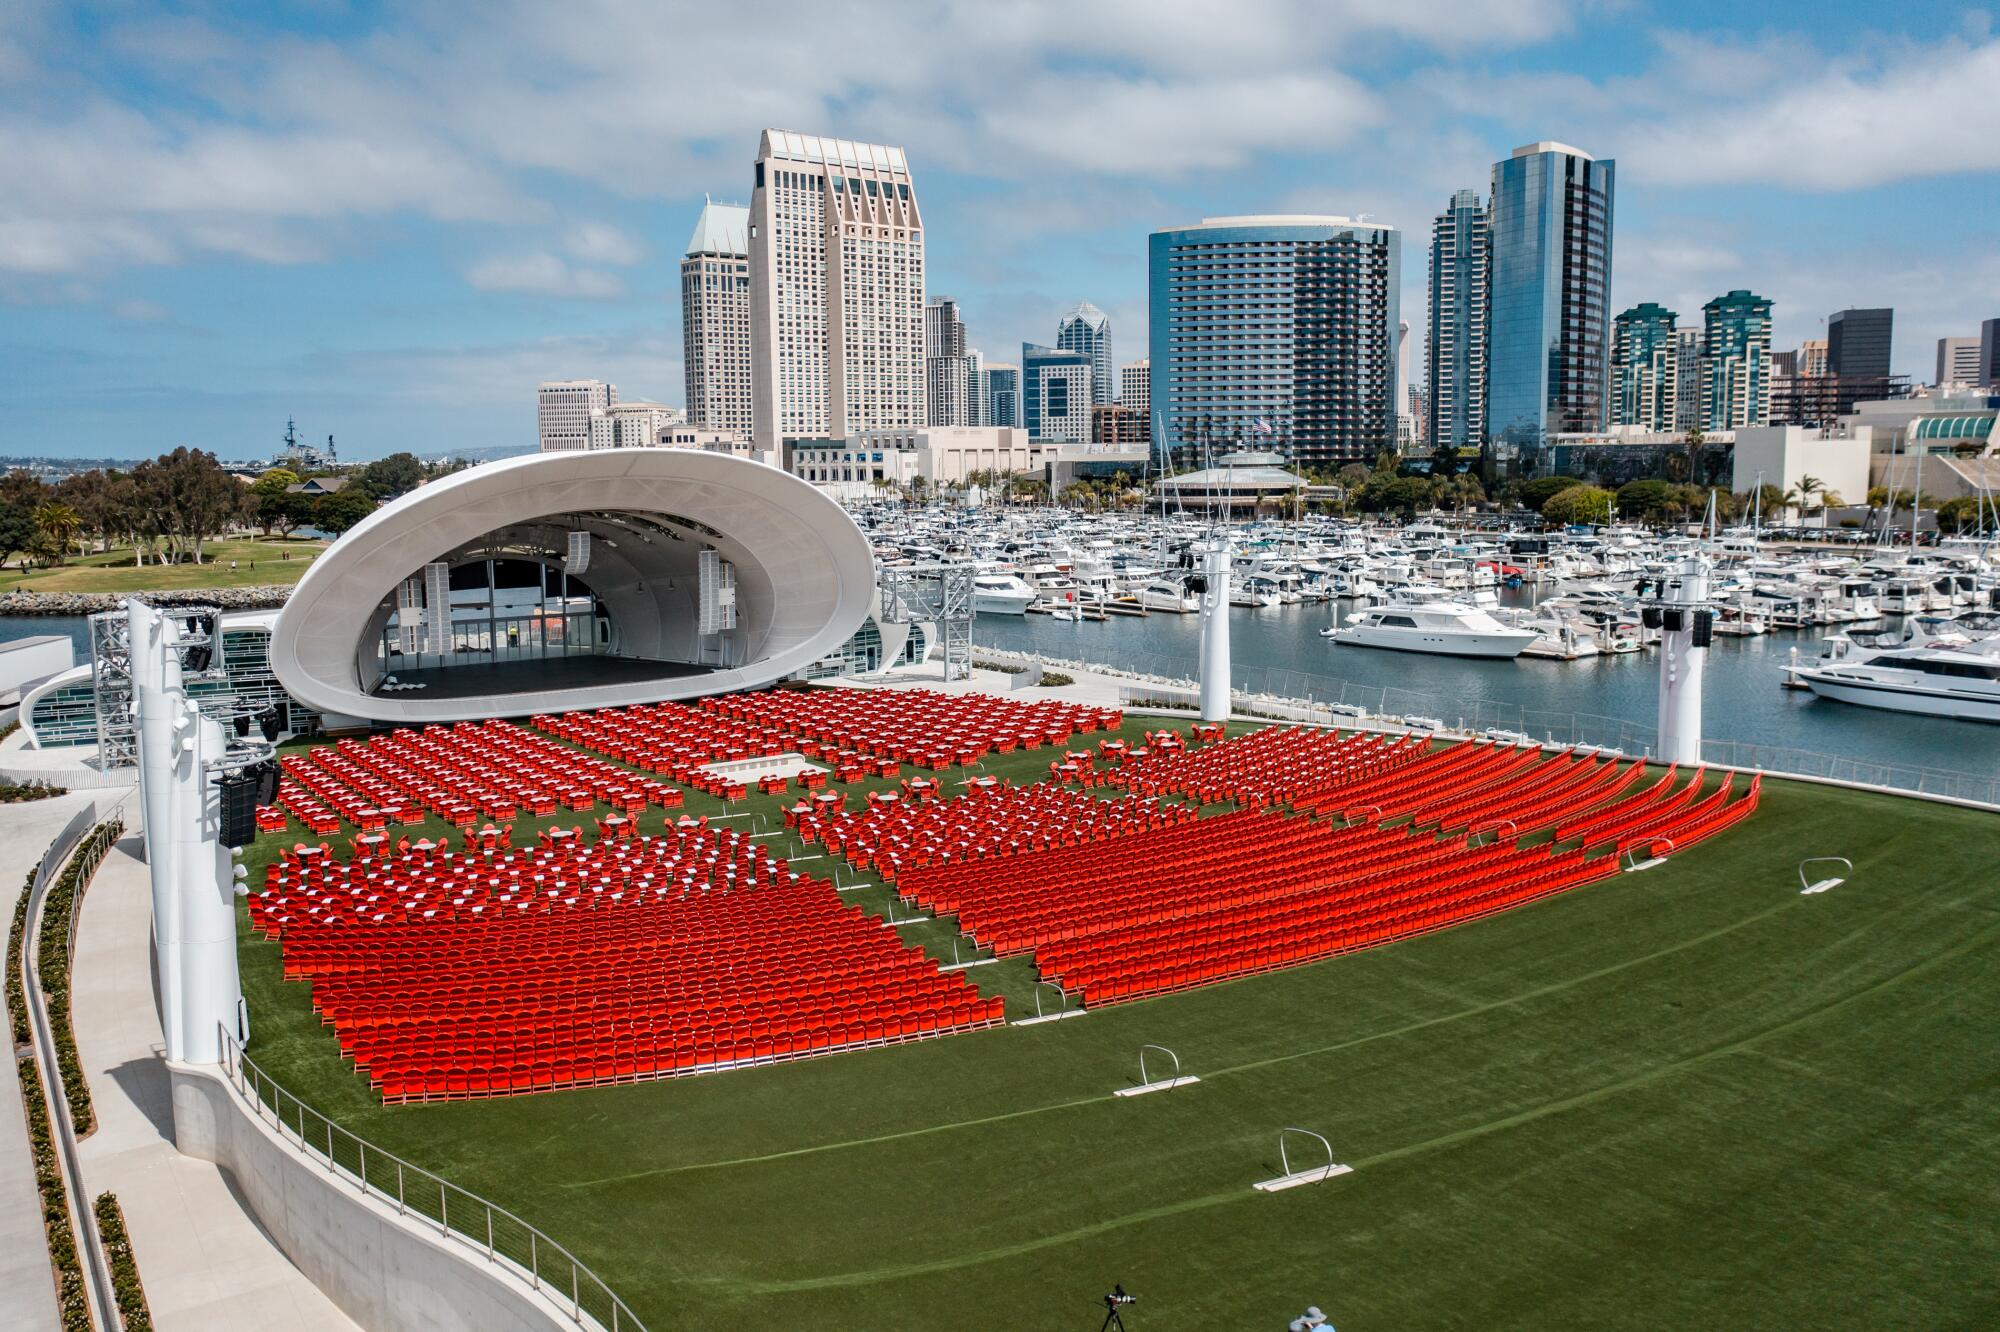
1689	1096
257	562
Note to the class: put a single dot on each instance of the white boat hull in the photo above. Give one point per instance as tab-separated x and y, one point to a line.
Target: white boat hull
1901	698
1504	645
1001	603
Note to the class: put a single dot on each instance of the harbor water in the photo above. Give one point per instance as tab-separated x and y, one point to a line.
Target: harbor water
1279	650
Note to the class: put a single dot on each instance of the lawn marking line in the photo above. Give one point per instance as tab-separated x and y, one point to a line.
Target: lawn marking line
874	1275
925	1131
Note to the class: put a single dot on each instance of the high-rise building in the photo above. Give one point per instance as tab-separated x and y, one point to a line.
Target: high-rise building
1116	424
715	318
1003	395
1687	376
1135	384
1087	329
1857	343
947	371
1812	358
978	392
1957	361
836	290
1736	362
630	425
1275	331
563	410
1455	348
1055	393
1645	368
1547	326
1988	375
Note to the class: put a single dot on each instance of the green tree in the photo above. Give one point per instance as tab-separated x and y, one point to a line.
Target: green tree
386	478
1647	499
1536	493
58	523
341	510
1961	514
1579	504
268	494
17	529
186	498
288	512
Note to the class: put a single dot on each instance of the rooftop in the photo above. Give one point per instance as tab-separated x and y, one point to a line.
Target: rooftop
813	148
721	229
1285	220
1551	146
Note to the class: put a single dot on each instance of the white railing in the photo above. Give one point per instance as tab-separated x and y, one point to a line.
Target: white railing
489	1230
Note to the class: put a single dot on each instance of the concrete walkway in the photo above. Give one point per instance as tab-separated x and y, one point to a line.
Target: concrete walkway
27	1287
207	1266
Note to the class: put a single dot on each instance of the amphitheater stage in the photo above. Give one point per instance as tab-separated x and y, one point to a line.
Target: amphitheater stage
532	675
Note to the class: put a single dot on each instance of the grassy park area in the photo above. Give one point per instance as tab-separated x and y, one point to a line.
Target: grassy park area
1690	1096
257	562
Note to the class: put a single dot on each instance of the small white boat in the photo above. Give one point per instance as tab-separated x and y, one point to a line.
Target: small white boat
1001	594
1441	628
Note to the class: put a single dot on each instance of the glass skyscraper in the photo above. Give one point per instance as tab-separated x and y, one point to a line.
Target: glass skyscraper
1645	368
1274	332
1857	343
1736	362
1461	250
1551	279
1087	329
1055	393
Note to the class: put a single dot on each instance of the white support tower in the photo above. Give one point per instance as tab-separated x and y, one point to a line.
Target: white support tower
1215	629
194	891
1684	615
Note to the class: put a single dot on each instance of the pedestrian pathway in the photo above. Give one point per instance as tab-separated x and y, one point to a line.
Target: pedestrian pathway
206	1264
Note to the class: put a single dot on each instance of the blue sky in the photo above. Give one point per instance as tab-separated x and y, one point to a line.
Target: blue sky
390	220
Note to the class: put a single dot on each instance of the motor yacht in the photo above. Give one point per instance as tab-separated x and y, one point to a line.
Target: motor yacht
1170	595
1442	628
1941	677
1001	594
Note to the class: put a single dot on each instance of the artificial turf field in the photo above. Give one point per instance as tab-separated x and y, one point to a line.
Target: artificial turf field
1685	1097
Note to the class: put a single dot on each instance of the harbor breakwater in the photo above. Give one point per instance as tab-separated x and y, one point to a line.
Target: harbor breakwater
22	602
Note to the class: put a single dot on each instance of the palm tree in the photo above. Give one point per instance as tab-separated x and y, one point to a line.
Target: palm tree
59	523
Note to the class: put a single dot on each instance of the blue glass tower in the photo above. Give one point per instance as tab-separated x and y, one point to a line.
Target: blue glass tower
1275	333
1551	283
1461	252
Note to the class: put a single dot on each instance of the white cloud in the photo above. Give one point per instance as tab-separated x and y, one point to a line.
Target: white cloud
543	274
600	243
1924	111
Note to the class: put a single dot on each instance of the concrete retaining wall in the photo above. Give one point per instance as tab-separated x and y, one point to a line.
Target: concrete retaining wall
386	1272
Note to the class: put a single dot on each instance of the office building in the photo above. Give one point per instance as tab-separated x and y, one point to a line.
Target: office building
1087	329
947	371
715	318
1645	368
1003	395
1135	385
836	289
1547	329
978	392
1812	358
1687	376
630	425
1055	393
1988	375
1455	348
1276	331
1857	343
1115	423
1736	362
563	408
1957	361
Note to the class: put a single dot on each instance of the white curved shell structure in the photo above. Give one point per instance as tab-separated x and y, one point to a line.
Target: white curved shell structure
803	582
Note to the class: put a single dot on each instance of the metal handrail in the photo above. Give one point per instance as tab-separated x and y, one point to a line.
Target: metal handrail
501	1237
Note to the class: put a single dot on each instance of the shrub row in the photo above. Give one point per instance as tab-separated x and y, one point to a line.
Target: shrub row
1055	680
125	1284
52	953
71	1302
13	793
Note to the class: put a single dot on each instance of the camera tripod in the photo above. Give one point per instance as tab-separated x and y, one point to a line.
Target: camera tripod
1111	1304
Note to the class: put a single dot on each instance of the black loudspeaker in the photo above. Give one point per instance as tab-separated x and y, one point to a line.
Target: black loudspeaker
267	783
1704	628
239	809
269	722
1673	620
197	658
242	725
1650	617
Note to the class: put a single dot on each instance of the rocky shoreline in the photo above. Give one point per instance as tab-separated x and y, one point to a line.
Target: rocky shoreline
20	602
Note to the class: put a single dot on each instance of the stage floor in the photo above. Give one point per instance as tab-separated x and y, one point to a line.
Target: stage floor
534	676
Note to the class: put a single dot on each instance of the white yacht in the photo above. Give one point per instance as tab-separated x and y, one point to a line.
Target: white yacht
1001	594
1169	594
1443	628
1945	677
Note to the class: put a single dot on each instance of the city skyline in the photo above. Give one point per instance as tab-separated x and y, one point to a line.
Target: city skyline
238	220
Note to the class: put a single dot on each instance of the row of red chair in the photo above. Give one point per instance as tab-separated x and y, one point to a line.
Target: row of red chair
916	726
1275	765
